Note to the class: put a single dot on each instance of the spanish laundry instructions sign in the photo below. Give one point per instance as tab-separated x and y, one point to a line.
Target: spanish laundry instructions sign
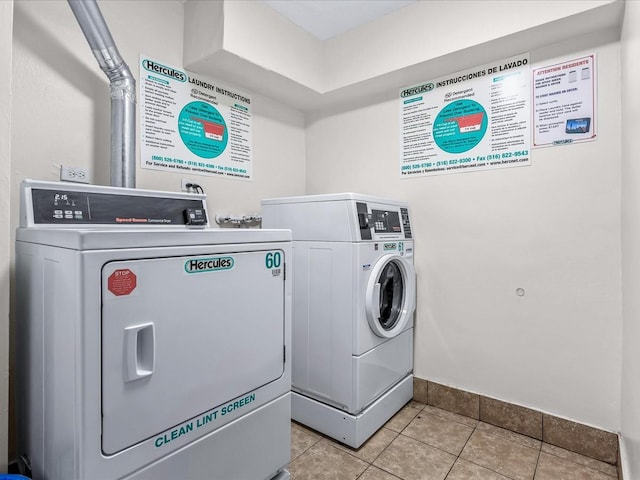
193	125
564	101
477	119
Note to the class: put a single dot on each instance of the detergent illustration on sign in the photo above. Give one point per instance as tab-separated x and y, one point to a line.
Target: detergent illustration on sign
460	126
193	125
472	120
202	129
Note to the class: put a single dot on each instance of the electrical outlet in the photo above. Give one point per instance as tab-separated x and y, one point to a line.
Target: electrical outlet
74	174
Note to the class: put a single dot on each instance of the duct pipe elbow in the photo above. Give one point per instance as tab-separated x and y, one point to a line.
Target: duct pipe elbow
99	37
122	87
123	133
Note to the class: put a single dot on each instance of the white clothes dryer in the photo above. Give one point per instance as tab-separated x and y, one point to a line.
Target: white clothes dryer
353	307
149	346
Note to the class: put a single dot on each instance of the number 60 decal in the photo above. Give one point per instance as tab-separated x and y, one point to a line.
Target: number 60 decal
273	260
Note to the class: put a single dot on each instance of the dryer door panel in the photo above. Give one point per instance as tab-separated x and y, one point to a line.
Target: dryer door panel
183	335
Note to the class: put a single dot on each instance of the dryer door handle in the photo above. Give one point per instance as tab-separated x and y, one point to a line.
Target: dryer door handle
139	351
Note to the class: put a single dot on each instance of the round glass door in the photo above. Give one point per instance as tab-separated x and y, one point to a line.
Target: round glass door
391	295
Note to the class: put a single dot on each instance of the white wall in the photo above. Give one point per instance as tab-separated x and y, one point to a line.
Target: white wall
6	23
436	29
60	92
262	51
551	228
282	46
57	77
630	45
61	112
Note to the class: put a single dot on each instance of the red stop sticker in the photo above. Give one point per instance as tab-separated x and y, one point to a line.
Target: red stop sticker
122	282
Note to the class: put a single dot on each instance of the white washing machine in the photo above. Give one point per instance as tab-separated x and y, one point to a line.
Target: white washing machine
353	304
149	346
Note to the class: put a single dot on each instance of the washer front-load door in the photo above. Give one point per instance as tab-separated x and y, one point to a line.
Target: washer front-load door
390	296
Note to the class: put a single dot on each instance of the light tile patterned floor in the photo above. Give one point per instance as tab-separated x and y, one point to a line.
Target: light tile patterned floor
425	443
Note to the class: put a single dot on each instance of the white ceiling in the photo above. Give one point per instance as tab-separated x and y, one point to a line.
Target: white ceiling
329	18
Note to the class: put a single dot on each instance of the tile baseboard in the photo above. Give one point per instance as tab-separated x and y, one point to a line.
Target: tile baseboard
588	441
619	463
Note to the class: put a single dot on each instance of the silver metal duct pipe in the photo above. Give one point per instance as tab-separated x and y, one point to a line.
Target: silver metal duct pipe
123	91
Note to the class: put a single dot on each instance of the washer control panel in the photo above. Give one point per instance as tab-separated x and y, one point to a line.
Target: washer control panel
380	223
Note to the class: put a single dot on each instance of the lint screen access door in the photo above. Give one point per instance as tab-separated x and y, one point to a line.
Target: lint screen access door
182	335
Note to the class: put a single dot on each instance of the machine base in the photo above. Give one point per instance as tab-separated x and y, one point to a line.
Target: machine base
255	446
283	475
352	430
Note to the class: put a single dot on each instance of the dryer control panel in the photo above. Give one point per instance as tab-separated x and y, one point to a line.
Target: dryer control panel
52	203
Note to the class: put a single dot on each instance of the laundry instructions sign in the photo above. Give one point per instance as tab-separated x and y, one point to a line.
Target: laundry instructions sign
193	125
476	119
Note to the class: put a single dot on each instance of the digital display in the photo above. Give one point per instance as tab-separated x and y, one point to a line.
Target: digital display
68	206
385	221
